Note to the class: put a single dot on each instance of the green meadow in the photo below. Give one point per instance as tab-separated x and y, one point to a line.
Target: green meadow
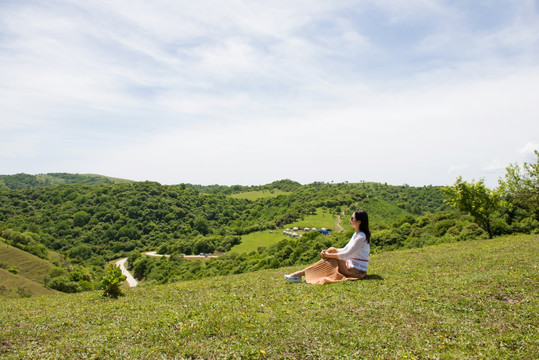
464	300
321	219
251	242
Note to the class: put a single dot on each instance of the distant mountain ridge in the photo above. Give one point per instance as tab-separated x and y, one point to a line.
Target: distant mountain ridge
26	181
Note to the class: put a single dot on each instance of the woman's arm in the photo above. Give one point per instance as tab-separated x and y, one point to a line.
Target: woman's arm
329	255
352	248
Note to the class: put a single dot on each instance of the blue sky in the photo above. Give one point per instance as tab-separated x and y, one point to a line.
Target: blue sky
248	92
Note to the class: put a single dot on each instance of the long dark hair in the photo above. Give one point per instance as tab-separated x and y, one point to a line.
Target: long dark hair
364	225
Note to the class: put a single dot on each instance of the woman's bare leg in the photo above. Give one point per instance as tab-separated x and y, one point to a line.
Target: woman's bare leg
298	273
302	272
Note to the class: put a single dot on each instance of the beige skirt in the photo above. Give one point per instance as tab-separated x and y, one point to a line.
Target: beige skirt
331	270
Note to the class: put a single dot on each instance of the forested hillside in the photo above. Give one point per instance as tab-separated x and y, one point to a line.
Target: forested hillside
90	225
107	220
93	224
25	181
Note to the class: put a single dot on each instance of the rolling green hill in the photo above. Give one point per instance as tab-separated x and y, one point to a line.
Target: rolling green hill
25	181
465	300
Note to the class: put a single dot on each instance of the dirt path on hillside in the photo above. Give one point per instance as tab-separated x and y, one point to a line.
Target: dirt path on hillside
338	223
132	282
339	226
129	278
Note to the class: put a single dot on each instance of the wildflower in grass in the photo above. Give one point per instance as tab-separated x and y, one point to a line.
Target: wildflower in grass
262	352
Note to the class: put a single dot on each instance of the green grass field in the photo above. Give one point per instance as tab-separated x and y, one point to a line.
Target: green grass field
252	241
254	195
468	300
322	219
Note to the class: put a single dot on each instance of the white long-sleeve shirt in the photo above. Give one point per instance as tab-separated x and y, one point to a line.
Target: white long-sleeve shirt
356	252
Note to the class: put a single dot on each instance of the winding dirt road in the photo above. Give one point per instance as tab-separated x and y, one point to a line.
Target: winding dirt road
129	278
132	282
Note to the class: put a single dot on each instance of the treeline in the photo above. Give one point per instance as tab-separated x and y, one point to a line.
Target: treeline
104	222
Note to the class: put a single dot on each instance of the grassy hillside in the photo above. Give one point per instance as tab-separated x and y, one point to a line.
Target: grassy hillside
30	277
29	266
12	286
381	213
467	300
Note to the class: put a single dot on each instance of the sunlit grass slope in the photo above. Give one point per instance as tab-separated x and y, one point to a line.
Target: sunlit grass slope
469	300
259	194
29	266
251	242
12	286
30	277
321	219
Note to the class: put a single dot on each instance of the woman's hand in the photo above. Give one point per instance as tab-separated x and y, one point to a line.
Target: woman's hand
327	255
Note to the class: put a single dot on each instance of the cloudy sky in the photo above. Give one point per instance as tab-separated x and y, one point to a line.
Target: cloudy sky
229	92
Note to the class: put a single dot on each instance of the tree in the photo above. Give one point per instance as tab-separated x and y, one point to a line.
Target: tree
81	218
475	199
521	186
202	226
63	284
81	251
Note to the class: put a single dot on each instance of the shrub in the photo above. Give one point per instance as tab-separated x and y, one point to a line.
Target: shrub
38	250
111	282
63	284
81	251
57	271
473	231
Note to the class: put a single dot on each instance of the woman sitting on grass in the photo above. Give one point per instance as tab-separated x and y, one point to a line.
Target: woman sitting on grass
348	263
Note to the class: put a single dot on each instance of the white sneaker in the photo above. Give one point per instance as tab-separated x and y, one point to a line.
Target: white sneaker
293	279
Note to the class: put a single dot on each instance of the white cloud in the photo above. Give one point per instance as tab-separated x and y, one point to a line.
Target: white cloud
528	149
496	165
244	92
456	169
